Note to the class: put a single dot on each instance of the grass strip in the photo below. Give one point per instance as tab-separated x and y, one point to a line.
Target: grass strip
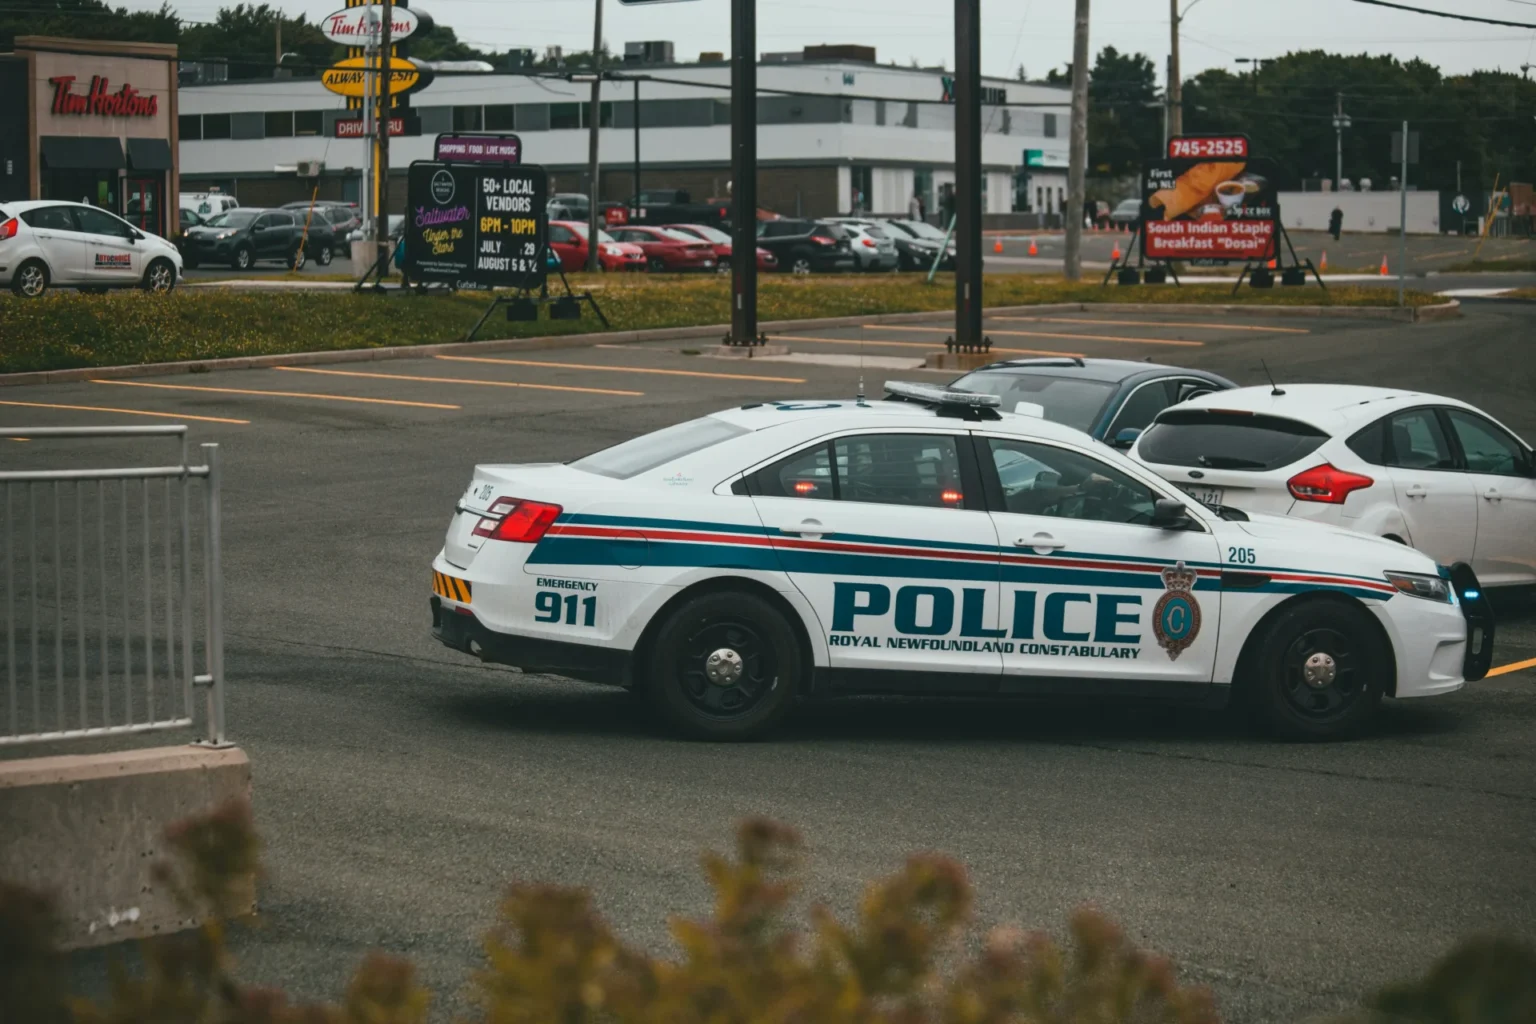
67	330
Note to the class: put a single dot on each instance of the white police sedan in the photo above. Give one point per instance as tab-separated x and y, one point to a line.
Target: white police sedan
932	544
47	243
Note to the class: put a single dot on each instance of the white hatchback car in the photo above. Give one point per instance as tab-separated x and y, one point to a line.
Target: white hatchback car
1421	469
46	242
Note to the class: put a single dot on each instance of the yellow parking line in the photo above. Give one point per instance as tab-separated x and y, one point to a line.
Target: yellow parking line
914	344
1047	334
1514	667
125	412
1209	325
23	440
275	394
456	380
621	369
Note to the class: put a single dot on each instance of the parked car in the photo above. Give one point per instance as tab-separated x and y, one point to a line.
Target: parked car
918	242
244	236
871	243
1126	214
568	206
344	217
656	206
188	218
206	204
46	243
807	246
722	245
568	239
668	251
1425	470
1110	399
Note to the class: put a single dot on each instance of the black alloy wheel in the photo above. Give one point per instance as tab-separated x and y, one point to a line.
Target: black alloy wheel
1318	671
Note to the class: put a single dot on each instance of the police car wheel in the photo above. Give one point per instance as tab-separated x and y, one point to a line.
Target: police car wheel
1319	672
31	279
724	666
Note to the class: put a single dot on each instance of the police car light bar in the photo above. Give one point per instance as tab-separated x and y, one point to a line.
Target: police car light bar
940	395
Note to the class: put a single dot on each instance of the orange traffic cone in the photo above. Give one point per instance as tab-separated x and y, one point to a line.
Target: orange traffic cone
1271	264
1323	263
1034	250
1383	265
1116	254
997	246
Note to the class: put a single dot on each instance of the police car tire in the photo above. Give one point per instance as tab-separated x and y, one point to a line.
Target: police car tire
1278	696
710	615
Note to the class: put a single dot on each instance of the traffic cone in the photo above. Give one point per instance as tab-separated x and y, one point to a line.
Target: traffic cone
1271	264
997	246
1383	265
1323	263
1034	250
1116	254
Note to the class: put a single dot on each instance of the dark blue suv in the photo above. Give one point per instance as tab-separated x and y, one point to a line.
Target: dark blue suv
1111	399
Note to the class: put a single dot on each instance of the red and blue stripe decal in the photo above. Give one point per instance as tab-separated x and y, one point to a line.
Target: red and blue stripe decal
621	540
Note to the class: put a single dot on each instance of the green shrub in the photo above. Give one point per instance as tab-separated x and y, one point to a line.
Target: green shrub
550	957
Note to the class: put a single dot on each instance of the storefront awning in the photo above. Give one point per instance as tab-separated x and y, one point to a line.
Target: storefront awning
149	155
81	152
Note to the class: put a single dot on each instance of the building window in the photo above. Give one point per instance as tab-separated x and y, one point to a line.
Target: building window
466	119
309	122
500	117
1050	126
189	127
247	124
880	112
564	116
279	124
1061	200
215	126
533	117
910	119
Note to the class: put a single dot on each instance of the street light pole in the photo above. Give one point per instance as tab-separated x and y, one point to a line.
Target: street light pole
1340	122
1077	154
386	80
743	171
968	172
595	116
637	142
1175	82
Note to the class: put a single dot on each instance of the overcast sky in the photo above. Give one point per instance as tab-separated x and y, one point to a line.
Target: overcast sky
1035	33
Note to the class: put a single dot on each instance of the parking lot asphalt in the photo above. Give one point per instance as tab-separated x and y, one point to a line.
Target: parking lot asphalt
400	786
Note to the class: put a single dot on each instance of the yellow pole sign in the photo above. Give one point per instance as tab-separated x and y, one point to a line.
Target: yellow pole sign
347	77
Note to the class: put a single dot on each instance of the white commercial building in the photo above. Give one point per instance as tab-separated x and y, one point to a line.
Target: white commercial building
833	134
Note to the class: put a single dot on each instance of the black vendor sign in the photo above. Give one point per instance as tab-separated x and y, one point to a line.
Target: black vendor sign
476	226
1211	202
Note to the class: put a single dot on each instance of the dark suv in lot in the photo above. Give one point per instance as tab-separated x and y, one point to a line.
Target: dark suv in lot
243	236
807	246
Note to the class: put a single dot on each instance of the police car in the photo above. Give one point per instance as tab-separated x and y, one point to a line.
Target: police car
932	544
46	243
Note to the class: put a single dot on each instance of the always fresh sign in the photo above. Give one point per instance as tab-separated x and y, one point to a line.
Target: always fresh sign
357	26
349	77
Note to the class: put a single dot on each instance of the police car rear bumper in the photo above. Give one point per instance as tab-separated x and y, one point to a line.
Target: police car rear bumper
458	628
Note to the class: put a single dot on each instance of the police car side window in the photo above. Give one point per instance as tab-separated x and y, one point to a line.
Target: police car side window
1042	480
805	474
899	469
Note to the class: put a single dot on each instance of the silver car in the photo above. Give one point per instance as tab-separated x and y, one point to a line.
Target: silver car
871	244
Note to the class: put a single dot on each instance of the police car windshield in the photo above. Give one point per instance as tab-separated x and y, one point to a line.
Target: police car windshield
232	219
630	459
1070	400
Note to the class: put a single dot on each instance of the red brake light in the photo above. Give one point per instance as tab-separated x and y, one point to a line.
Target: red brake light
1326	484
869	243
8	229
516	519
823	240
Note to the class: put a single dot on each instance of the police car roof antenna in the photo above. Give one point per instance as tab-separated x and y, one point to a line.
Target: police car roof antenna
1274	388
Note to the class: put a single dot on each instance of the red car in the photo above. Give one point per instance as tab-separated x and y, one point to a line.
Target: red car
569	240
722	243
667	250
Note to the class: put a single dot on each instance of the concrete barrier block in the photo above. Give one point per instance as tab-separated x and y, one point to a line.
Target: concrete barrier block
88	828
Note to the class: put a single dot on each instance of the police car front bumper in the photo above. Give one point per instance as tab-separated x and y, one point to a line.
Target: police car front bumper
457	627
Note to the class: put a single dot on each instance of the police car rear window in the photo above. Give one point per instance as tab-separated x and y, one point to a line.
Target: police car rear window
633	457
1213	439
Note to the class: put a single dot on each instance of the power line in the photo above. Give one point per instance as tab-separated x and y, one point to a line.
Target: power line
1446	14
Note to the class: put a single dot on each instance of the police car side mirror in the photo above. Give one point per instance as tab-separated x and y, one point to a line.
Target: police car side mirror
1170	514
1125	439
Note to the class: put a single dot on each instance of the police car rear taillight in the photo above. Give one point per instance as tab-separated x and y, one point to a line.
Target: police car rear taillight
1326	484
8	229
516	519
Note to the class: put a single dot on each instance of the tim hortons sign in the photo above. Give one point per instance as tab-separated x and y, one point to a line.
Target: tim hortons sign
125	102
357	26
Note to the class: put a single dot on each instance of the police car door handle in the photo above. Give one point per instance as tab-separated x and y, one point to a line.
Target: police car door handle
807	528
1040	542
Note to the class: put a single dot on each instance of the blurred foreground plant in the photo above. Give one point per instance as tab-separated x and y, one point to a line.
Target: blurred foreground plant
552	959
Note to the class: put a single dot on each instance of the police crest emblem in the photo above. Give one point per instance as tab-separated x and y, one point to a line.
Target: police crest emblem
1176	616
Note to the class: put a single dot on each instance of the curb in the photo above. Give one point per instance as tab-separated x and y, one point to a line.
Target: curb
1443	311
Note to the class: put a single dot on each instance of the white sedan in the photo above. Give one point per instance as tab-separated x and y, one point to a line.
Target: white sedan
47	243
728	565
1419	469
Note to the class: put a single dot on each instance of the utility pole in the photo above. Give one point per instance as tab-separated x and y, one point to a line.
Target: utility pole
386	76
370	127
1175	81
1402	223
743	171
596	116
1340	122
1077	160
637	142
968	266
